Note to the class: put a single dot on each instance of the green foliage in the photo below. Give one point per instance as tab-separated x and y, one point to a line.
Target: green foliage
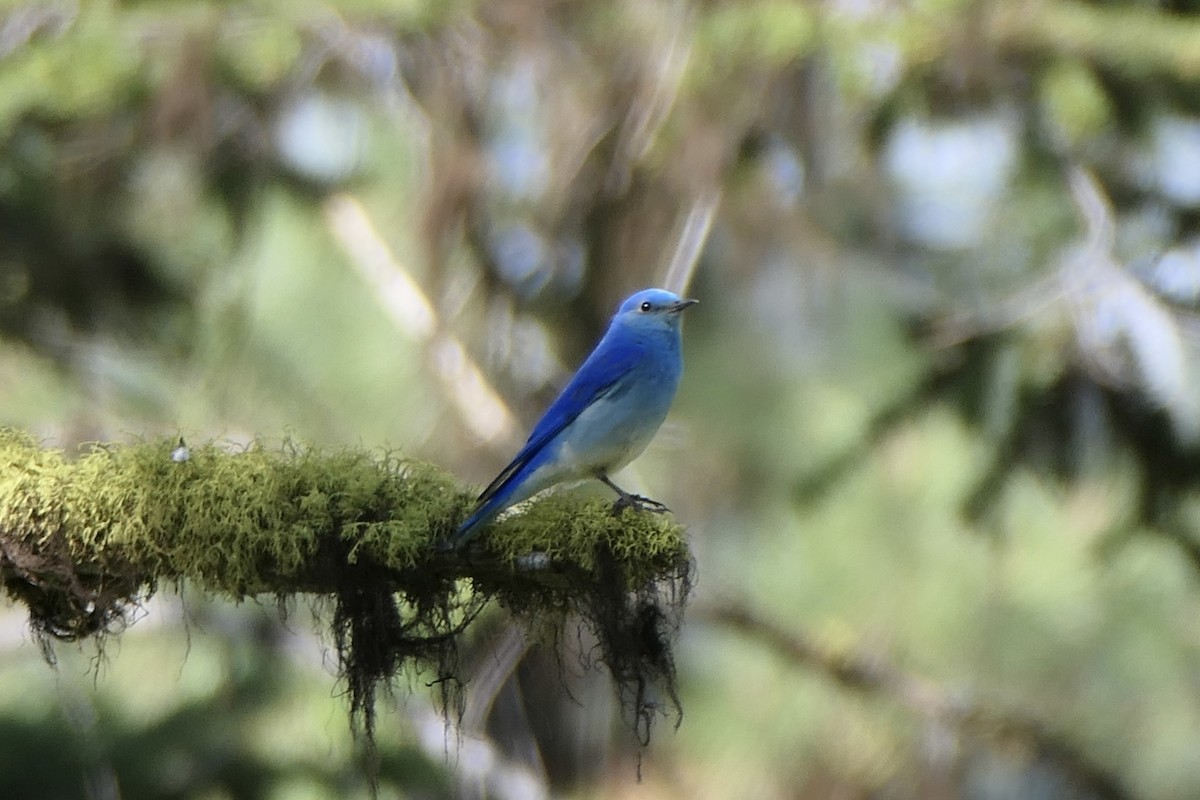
1074	104
92	68
761	34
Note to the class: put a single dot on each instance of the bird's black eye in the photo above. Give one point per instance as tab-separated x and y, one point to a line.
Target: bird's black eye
646	305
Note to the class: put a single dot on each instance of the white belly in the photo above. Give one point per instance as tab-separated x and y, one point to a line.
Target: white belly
601	440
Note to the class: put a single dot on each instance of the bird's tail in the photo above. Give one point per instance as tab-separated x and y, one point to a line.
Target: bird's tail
467	531
489	507
510	486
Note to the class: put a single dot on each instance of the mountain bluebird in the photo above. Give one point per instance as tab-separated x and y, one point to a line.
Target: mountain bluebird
605	416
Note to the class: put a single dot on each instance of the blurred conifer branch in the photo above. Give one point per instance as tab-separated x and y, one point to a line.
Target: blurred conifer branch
1135	38
970	719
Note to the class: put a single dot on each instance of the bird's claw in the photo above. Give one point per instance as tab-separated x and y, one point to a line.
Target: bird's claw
638	503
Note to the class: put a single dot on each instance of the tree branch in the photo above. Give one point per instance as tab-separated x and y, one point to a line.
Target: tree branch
83	540
1134	39
958	711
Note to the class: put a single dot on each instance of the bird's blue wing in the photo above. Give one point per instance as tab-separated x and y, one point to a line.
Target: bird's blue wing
599	376
612	360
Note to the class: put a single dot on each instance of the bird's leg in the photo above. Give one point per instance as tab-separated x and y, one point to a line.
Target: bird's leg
636	501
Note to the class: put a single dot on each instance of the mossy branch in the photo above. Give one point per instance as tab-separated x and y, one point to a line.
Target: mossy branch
84	539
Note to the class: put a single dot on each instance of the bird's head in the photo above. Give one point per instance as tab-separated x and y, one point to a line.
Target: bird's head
652	308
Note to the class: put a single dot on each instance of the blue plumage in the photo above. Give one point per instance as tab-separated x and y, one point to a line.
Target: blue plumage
606	415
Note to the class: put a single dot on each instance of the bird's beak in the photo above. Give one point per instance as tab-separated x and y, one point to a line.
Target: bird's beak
675	308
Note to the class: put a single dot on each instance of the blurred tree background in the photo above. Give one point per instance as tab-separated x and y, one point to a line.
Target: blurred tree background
936	445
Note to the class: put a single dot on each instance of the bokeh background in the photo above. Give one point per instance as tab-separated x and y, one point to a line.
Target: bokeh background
936	444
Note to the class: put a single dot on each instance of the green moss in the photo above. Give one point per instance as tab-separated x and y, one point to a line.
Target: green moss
567	530
264	520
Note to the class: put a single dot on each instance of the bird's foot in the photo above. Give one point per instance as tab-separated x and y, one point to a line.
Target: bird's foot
638	503
635	501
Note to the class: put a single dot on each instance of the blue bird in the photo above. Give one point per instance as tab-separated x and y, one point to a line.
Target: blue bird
606	415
